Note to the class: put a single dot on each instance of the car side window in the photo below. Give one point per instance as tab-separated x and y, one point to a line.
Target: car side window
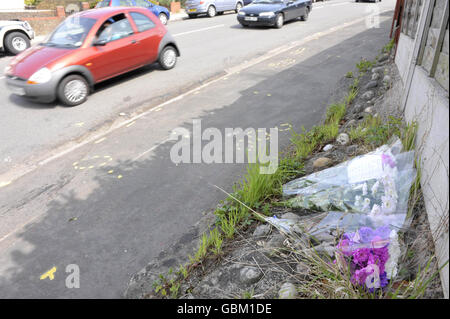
143	23
126	3
115	28
143	3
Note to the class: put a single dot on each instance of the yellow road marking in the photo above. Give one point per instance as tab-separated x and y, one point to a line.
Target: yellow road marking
50	274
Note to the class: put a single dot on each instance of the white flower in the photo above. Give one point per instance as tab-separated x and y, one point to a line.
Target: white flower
364	189
374	188
366	205
358	201
391	267
388	205
376	214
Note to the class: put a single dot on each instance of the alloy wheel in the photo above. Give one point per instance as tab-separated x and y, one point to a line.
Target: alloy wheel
75	91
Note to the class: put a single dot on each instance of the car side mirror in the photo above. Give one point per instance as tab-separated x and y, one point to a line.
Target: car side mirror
100	43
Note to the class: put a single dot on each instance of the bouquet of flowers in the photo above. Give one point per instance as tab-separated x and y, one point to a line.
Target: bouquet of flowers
371	255
376	184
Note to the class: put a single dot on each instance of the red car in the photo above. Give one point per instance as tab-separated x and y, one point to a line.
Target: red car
87	48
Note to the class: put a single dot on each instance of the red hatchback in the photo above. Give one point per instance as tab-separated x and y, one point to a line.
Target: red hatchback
87	48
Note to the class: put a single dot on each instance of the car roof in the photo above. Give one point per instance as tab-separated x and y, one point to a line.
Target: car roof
99	13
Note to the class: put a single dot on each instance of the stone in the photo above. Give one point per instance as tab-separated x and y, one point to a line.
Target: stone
378	69
287	291
368	110
291	216
328	147
250	275
349	124
387	79
302	270
324	237
325	248
351	149
322	162
375	76
261	230
368	95
357	108
371	84
383	58
274	245
343	139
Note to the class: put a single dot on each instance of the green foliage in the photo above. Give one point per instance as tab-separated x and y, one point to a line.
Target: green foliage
364	65
349	74
388	47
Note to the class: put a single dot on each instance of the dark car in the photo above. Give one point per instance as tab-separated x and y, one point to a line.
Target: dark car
87	48
273	12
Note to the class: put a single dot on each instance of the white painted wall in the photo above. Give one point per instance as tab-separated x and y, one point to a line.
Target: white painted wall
427	104
11	4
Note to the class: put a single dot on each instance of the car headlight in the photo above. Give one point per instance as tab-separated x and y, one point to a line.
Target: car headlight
8	69
266	14
241	13
41	76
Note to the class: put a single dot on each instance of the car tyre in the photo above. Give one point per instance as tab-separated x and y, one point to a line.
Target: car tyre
279	21
211	11
244	25
16	42
163	18
238	7
73	90
306	15
168	58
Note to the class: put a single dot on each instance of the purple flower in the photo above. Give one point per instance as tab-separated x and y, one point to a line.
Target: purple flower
361	256
344	247
366	234
387	160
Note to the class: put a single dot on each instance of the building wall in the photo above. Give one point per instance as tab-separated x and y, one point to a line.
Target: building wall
12	5
426	101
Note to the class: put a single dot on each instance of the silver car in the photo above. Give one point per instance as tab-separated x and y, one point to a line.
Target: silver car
211	7
15	36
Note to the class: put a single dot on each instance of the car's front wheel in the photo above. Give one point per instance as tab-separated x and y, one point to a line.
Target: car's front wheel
279	21
163	18
168	58
16	42
73	90
211	11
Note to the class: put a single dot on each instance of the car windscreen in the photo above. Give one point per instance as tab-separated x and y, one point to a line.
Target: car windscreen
71	33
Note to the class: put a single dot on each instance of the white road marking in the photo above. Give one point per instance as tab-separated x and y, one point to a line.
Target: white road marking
151	149
199	30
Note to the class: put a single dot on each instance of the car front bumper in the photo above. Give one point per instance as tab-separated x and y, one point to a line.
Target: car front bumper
45	92
260	21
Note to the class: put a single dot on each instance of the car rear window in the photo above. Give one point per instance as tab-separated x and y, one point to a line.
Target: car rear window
143	22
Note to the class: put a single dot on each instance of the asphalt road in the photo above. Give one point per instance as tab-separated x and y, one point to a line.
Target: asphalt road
130	200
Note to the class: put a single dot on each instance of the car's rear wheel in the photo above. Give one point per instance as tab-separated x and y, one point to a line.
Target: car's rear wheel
306	15
238	7
163	18
211	11
73	90
16	42
279	21
168	58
